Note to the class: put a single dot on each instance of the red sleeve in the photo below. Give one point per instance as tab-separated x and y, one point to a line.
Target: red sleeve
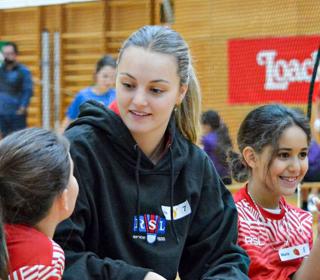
53	271
114	107
240	194
37	272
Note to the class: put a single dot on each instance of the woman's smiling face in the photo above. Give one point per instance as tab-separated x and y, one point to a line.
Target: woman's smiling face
148	88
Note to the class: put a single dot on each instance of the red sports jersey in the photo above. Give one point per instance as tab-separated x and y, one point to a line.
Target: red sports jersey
263	234
32	255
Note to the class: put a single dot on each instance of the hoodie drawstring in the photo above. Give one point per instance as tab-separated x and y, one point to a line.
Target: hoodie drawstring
171	196
138	179
137	175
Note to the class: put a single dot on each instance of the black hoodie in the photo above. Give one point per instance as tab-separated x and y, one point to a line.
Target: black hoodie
121	227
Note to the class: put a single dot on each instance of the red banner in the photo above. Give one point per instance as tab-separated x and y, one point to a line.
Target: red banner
271	69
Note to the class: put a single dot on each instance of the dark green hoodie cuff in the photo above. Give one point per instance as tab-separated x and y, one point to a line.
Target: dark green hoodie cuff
133	272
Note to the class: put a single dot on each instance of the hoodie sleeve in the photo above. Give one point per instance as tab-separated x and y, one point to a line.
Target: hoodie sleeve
211	250
71	235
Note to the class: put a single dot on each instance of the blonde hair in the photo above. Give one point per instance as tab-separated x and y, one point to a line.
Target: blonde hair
167	41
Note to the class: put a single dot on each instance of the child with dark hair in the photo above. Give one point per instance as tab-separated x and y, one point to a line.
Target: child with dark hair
102	91
216	143
37	191
273	141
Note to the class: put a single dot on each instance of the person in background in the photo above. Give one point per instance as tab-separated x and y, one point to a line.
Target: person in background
273	141
16	89
217	143
312	175
316	124
150	204
102	91
37	191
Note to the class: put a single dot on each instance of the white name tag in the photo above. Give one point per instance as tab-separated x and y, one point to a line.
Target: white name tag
294	252
179	211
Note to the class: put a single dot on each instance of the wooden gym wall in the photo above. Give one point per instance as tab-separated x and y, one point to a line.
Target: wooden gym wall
88	31
207	25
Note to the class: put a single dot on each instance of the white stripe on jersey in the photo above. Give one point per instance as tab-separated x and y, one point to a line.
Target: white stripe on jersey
294	227
43	272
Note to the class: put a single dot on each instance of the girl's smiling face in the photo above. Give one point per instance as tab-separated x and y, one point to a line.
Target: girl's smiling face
289	165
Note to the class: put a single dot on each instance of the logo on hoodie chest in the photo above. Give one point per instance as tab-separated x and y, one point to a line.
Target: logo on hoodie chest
149	227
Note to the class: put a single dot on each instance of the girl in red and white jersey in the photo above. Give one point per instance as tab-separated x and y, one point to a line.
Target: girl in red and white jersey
37	191
273	141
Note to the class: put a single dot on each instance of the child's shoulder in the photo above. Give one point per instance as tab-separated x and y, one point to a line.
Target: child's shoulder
240	195
28	247
85	93
298	210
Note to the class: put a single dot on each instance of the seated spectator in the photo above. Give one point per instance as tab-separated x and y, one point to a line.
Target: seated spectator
216	143
103	91
313	175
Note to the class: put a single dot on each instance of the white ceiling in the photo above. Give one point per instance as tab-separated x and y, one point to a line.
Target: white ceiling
10	4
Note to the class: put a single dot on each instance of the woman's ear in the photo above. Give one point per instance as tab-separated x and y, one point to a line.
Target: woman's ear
182	93
249	156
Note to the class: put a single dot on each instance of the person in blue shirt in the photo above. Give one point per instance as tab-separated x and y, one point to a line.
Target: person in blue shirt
102	91
16	89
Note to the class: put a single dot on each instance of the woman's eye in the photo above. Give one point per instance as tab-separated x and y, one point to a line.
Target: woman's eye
127	85
156	90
